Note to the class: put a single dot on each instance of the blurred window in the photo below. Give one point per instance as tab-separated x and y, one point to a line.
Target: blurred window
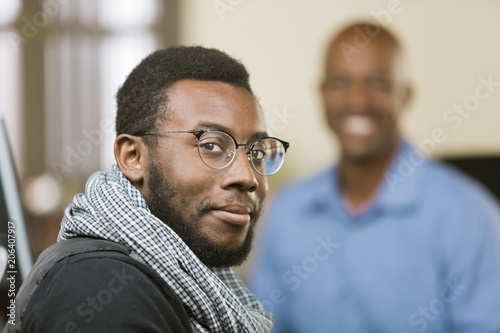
89	49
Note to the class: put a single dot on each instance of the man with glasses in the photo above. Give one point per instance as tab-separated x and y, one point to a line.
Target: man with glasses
182	201
388	240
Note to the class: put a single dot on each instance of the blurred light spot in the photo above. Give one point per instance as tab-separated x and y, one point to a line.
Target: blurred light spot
42	194
128	14
9	10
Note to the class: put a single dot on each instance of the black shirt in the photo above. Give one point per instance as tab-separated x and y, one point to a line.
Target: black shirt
104	292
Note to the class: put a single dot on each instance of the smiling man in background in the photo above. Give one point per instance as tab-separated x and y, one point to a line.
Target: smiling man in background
149	246
364	247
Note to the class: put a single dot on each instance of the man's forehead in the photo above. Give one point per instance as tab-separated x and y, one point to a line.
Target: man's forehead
377	47
361	35
213	92
213	125
378	57
214	104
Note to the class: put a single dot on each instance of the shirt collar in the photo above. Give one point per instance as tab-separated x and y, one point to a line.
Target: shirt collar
403	182
399	190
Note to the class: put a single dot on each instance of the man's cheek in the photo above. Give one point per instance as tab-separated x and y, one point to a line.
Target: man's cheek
263	190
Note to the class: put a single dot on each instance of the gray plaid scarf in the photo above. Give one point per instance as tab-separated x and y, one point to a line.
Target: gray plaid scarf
113	209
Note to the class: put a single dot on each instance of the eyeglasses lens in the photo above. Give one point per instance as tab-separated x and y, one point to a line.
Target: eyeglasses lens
217	150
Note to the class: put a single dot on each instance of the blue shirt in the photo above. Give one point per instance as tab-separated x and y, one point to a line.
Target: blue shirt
424	257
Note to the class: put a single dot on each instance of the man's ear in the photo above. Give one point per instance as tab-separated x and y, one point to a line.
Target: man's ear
131	157
322	88
407	95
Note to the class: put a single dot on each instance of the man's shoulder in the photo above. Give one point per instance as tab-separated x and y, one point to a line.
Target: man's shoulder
454	183
103	291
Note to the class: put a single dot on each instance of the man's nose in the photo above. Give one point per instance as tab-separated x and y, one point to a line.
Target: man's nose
240	173
357	95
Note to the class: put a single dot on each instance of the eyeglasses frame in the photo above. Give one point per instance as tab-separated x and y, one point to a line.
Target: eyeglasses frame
199	132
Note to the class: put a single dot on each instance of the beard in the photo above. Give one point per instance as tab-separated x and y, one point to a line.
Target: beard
161	203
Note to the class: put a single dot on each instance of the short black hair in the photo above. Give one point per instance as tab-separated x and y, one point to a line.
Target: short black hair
142	100
372	30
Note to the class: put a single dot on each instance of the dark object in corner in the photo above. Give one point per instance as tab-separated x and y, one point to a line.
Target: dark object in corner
486	169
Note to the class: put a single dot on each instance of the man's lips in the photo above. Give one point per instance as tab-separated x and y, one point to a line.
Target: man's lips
235	214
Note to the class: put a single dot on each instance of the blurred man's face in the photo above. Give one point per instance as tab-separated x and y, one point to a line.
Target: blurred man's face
213	211
363	95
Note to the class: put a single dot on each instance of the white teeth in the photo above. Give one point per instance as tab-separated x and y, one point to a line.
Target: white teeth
359	125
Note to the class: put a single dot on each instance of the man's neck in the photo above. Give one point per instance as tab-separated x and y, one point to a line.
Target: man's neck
360	180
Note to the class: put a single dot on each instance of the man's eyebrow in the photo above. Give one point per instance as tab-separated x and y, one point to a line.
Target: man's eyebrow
208	124
258	135
379	72
335	69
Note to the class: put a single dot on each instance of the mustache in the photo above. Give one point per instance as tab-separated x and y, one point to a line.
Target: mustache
209	205
365	111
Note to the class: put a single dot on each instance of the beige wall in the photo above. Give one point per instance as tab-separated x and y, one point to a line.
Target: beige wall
450	44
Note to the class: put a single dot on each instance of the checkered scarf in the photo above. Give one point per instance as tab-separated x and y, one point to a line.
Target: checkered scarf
113	209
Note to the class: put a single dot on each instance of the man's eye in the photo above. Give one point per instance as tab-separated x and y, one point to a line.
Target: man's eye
258	154
336	81
211	147
379	83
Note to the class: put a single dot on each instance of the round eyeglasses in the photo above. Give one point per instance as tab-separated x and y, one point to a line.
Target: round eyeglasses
217	149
